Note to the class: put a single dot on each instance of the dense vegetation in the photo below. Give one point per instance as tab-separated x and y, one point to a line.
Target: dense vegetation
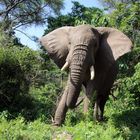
31	85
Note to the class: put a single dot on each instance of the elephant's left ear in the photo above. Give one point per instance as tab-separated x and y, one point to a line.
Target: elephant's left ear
115	40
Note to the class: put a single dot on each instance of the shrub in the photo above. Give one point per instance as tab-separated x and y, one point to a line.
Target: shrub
29	84
12	81
19	68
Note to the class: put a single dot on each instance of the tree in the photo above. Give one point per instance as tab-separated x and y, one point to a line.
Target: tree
79	15
112	4
16	13
126	18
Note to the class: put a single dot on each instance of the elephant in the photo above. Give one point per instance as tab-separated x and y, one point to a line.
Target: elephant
89	55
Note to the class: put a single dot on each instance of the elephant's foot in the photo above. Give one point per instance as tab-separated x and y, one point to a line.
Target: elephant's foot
56	124
58	121
98	114
99	118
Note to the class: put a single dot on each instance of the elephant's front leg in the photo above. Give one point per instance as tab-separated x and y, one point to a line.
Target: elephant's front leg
68	100
61	109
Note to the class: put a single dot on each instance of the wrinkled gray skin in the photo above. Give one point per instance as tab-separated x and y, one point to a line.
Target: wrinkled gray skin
82	47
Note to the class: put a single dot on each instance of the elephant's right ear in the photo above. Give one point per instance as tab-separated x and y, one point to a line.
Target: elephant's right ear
113	43
56	44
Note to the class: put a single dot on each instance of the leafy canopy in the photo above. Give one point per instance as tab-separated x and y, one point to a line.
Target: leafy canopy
15	13
79	15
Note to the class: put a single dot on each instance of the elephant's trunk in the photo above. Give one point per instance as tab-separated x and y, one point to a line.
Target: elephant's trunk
78	68
78	64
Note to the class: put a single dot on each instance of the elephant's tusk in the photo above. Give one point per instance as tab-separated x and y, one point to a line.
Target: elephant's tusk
92	72
65	66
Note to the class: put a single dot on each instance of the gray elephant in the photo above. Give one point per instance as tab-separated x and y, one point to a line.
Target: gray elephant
90	55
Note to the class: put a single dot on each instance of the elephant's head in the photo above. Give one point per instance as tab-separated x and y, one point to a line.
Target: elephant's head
76	48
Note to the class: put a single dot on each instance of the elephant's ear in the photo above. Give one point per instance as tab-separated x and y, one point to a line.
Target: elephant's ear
56	43
115	41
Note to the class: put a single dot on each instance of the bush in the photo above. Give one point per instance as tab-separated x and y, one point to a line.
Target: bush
128	62
45	99
18	129
130	86
18	71
12	81
29	84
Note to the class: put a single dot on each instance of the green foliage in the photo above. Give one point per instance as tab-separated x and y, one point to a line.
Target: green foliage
112	4
126	18
18	130
29	83
12	80
45	99
119	127
79	15
22	12
131	87
5	40
17	13
127	62
31	86
55	22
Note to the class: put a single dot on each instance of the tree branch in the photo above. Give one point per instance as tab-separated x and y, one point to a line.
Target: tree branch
24	34
12	7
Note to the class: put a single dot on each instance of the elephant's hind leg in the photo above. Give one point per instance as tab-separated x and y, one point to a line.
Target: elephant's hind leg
99	105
